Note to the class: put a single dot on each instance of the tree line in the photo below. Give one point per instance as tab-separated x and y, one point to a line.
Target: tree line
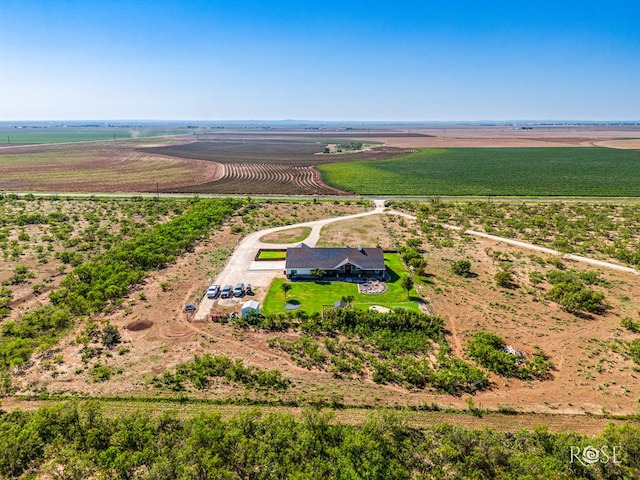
78	441
98	284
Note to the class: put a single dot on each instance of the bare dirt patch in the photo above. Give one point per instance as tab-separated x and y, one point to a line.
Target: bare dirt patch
479	137
631	144
368	231
139	325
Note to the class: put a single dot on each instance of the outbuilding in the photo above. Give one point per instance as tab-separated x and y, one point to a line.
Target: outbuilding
250	307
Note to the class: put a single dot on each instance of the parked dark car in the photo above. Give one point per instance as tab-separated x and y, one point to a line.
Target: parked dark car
190	308
239	290
226	292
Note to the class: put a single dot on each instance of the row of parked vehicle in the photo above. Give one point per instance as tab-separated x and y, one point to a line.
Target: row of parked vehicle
228	291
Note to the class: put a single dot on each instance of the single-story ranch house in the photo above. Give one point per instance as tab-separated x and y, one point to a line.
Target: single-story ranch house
342	262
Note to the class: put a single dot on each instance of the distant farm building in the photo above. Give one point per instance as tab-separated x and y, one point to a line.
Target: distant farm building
303	261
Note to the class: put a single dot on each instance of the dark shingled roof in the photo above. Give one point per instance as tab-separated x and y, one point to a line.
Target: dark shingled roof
304	256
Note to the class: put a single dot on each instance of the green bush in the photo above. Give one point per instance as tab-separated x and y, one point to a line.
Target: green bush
630	324
489	350
110	336
461	268
100	372
576	298
201	370
504	278
634	350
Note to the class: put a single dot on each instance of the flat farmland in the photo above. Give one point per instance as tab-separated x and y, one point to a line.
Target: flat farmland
286	151
46	135
268	166
493	171
256	162
230	165
101	167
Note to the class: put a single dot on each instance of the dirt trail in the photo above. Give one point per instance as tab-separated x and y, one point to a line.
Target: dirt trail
530	246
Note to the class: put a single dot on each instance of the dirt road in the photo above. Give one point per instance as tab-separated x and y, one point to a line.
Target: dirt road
530	246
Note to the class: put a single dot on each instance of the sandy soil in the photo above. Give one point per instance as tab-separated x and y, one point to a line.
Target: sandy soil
482	137
622	144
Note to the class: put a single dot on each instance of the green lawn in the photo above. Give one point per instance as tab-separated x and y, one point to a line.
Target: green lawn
272	255
571	171
312	296
290	235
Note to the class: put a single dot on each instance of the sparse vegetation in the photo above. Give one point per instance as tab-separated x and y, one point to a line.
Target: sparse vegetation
606	230
93	286
202	370
504	279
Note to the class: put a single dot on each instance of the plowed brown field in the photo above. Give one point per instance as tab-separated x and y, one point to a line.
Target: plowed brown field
275	166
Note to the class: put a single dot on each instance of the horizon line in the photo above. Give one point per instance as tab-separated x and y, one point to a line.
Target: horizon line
312	121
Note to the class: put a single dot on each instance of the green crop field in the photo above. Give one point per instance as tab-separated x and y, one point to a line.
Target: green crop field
36	136
494	171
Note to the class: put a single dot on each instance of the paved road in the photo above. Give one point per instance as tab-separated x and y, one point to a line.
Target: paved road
330	197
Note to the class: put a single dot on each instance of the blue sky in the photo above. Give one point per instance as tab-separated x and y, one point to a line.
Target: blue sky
320	60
